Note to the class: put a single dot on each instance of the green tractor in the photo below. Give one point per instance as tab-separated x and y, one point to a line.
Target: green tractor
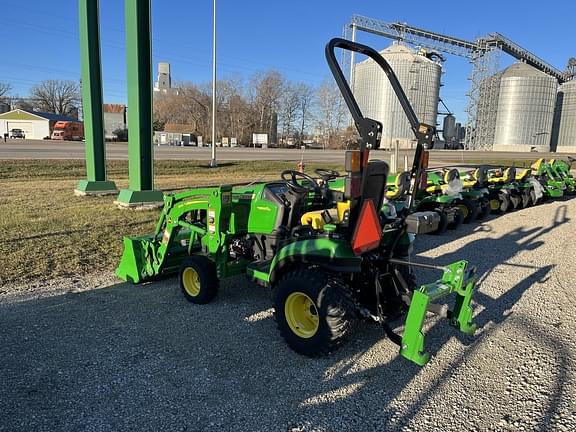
505	193
473	203
563	171
553	185
329	255
428	198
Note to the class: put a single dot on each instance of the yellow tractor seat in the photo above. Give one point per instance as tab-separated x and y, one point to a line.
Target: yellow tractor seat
507	176
536	165
523	174
318	218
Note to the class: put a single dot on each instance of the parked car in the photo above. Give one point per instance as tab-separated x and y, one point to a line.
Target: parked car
17	133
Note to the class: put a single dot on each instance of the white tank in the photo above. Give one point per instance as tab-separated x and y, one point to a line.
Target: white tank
564	131
420	79
525	114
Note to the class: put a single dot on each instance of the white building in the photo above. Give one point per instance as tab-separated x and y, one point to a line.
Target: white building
36	125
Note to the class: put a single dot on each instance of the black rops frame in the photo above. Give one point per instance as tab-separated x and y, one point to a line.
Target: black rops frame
370	130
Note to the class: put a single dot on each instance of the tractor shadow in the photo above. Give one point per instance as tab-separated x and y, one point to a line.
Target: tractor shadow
392	378
142	358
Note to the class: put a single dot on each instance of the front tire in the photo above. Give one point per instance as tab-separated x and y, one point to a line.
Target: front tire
314	311
198	279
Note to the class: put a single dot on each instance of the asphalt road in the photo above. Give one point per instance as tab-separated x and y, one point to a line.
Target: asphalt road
30	149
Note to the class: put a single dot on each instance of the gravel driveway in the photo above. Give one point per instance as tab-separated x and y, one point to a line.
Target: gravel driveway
75	355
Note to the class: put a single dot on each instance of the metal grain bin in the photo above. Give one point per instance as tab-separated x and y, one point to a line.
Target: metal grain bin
525	109
420	78
564	131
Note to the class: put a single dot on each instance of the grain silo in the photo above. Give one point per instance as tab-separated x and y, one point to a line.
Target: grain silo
526	105
420	79
564	131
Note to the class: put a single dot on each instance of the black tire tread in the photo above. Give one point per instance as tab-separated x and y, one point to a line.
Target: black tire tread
209	282
328	292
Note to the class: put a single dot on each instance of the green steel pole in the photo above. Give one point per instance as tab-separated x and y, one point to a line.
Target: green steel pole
139	63
95	182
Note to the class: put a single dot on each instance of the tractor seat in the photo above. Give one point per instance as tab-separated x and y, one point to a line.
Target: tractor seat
537	166
480	174
523	175
507	176
449	176
400	187
469	179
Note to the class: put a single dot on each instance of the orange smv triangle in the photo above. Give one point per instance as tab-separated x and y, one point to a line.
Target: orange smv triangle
368	232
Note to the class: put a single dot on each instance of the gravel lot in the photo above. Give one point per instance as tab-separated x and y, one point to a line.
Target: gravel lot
93	354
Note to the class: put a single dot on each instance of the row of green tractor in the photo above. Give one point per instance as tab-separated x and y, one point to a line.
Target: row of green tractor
467	193
331	249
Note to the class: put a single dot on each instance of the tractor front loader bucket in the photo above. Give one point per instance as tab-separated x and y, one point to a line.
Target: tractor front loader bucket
136	263
458	279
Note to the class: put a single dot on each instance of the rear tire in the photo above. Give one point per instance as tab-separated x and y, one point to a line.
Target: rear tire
314	311
533	199
526	200
515	202
443	225
505	203
484	209
470	210
198	279
458	220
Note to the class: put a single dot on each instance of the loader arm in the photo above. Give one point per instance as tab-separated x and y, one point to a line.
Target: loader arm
176	235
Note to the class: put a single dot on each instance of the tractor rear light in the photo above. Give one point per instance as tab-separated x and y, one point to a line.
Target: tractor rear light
353	185
353	161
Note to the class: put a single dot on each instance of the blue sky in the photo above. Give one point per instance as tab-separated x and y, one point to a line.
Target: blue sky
41	37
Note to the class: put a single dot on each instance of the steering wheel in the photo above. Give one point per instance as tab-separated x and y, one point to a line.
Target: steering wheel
327	174
292	181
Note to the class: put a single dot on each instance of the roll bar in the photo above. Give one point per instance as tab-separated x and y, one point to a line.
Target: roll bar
371	130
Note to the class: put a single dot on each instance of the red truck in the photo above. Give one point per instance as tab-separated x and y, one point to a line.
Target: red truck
68	131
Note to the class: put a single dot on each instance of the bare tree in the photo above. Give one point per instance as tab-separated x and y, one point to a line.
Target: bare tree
188	105
331	112
4	89
56	96
289	104
266	90
23	104
305	100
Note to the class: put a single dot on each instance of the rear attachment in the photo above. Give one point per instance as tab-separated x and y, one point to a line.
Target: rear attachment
458	279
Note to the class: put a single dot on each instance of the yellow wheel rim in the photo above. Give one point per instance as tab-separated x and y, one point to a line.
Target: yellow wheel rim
301	315
494	204
191	281
464	210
